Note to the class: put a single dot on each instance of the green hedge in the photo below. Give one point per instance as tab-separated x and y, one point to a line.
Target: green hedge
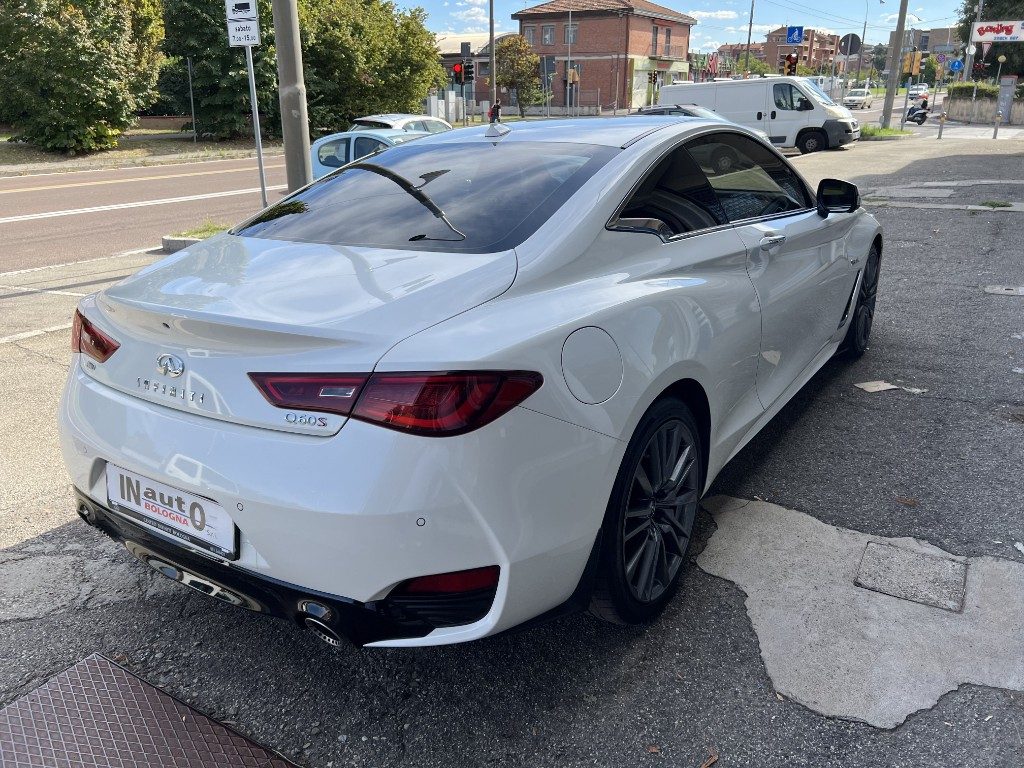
965	90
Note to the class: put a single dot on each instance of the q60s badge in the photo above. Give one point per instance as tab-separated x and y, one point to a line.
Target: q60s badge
305	420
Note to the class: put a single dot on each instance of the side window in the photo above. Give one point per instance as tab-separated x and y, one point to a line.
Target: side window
435	126
415	125
333	154
749	179
788	96
366	146
674	198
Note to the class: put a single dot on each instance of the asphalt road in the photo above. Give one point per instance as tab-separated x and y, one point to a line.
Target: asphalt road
57	218
943	466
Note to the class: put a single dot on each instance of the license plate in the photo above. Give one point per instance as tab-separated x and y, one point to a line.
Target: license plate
196	520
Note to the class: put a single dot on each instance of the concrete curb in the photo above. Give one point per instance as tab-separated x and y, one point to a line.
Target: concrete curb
172	244
889	138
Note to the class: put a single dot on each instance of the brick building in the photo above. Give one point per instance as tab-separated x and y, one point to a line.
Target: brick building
941	40
737	52
621	50
816	51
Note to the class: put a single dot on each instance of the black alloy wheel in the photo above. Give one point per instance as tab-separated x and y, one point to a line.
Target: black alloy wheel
859	333
649	521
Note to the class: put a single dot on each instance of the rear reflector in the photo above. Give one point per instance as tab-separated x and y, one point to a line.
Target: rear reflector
442	404
450	583
90	340
430	404
327	392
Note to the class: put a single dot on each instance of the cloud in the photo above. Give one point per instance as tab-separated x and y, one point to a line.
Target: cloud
472	14
710	45
892	18
763	29
713	14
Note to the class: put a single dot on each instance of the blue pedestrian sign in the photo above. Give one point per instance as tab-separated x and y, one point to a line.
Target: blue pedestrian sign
956	65
794	35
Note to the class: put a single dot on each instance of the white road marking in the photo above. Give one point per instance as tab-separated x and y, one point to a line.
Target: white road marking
137	204
137	167
30	334
26	291
135	252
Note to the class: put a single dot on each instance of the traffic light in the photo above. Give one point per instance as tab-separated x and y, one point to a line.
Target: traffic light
912	62
469	71
459	72
791	63
978	70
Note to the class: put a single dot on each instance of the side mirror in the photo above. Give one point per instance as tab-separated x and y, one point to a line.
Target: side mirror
835	196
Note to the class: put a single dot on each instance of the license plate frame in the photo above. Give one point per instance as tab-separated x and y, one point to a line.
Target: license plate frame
198	521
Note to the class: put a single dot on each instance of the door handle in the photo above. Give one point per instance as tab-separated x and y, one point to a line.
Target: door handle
760	115
773	114
771	241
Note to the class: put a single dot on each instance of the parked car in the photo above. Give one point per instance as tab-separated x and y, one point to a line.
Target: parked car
858	98
690	110
919	91
793	111
339	149
379	410
404	122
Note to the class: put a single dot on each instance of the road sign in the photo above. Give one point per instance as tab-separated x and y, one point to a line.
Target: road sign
956	65
849	45
941	58
243	23
794	35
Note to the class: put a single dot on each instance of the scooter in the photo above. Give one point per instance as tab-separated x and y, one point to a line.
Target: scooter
917	115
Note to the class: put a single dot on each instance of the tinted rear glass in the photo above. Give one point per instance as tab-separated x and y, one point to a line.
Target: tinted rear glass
475	197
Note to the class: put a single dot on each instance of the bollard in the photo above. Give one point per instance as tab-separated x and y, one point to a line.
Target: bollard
942	122
999	119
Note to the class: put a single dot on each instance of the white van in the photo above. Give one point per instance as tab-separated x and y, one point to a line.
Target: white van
793	111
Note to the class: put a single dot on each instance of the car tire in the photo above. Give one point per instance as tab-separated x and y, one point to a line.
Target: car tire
649	520
859	333
811	141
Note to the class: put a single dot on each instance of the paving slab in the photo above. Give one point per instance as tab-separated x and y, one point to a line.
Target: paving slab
934	580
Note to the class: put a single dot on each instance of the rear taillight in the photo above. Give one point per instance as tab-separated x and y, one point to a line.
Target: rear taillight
327	392
441	404
450	583
90	340
431	404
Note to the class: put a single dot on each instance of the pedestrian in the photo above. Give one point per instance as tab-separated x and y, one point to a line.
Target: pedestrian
495	112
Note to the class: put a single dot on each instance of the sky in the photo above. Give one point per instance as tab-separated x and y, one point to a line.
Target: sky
724	21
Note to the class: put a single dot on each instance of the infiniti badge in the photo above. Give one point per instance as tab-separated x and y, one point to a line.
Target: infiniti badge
170	365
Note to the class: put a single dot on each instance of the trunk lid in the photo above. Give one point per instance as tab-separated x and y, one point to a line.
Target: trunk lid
230	306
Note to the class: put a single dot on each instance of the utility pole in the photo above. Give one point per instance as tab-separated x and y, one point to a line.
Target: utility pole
292	89
494	69
892	83
863	41
750	29
969	62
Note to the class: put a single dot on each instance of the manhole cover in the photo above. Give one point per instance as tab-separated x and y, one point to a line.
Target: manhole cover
99	715
908	574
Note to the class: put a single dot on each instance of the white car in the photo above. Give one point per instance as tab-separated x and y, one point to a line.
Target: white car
858	98
402	122
331	152
384	412
919	91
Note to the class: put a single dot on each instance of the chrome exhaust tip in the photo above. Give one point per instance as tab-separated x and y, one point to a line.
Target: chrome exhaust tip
322	631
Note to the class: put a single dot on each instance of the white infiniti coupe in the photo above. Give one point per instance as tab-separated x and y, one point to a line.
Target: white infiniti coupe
473	382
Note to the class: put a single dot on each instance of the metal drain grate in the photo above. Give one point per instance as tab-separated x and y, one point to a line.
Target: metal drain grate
98	715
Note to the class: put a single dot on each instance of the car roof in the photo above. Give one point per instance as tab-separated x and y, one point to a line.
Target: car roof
373	133
395	116
606	131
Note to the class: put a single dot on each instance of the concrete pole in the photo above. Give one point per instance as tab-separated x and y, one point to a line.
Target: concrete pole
863	42
292	89
892	84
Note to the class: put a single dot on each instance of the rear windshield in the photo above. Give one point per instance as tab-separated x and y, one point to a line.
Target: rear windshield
475	197
368	125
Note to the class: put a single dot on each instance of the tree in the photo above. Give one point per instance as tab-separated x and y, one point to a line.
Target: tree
73	75
994	10
754	67
879	57
365	57
220	81
517	68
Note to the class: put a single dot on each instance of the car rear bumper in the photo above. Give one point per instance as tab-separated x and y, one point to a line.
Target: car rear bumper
349	517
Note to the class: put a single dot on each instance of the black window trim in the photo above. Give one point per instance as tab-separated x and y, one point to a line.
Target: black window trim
611	226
